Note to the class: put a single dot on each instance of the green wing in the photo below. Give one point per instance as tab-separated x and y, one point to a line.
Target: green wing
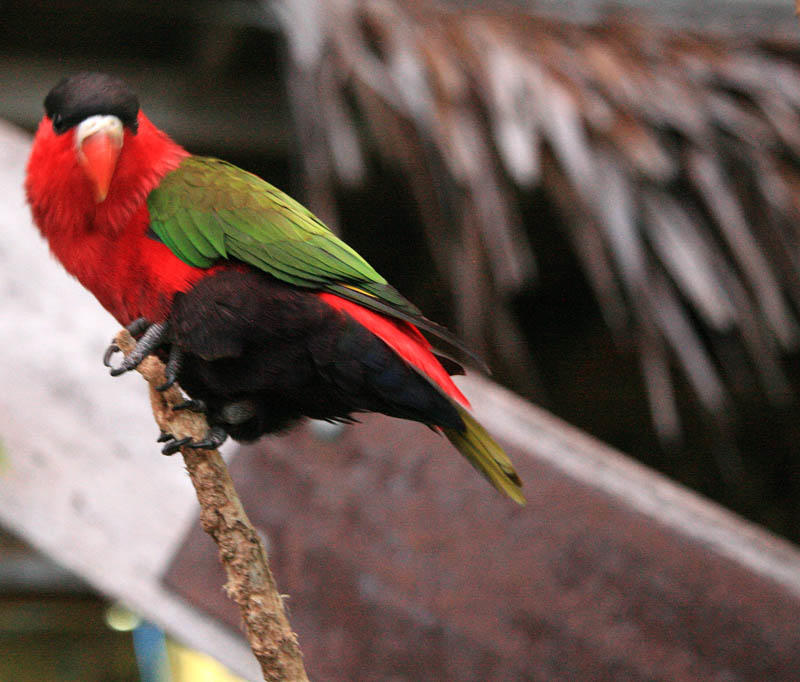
207	210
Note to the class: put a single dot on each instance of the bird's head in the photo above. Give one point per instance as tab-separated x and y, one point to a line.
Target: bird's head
95	157
91	115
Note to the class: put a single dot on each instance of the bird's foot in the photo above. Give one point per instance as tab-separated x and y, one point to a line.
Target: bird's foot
138	327
172	367
214	437
135	329
152	336
173	444
192	406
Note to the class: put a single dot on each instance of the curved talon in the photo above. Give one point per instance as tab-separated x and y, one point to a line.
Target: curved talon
138	326
215	437
124	367
167	384
172	368
173	446
192	405
150	341
113	348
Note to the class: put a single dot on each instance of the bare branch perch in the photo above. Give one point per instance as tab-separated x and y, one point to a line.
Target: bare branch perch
250	581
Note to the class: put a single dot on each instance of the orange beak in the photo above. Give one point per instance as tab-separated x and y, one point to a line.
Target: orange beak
97	156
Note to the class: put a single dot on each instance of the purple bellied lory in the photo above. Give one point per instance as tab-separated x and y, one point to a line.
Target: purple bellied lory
265	315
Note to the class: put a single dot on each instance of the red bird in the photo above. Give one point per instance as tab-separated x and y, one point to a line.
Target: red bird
266	316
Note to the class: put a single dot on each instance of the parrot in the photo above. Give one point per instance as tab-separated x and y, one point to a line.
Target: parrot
262	315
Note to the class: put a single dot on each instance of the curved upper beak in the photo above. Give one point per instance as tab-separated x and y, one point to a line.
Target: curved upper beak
98	141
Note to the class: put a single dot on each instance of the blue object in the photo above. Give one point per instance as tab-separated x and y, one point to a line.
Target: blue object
150	647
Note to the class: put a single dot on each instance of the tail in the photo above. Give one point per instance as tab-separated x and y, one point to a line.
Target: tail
472	441
486	456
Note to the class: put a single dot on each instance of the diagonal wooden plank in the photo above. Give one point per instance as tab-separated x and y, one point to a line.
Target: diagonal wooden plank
82	479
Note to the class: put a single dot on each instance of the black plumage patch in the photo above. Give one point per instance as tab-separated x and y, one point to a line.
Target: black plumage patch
87	94
249	338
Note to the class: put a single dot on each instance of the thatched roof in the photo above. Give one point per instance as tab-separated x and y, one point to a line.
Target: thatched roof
670	158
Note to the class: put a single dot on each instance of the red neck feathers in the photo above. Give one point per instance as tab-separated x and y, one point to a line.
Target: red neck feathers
60	195
104	244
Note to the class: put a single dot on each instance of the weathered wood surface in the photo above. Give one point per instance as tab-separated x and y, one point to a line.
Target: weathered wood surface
81	478
403	564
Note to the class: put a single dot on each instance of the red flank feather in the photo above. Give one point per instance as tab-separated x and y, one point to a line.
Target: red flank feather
404	339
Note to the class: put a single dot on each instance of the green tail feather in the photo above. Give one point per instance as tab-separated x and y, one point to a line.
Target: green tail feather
486	456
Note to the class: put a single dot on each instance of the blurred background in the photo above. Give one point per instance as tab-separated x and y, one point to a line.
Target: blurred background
601	198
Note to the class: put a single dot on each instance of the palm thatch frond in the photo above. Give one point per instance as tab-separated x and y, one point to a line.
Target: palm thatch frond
671	158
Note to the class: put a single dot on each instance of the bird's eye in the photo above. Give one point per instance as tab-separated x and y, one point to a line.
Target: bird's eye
57	121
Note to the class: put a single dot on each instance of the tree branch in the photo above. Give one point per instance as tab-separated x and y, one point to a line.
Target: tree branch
250	582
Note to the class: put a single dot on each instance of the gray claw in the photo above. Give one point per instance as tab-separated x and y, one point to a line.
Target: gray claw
151	339
113	348
138	326
174	445
172	368
198	406
215	437
126	366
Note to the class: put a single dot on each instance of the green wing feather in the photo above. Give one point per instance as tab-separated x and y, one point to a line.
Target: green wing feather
207	209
